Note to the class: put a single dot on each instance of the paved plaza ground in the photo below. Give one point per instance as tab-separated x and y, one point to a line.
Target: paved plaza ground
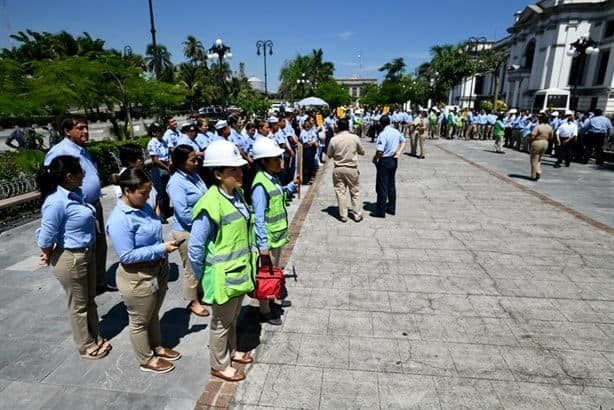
476	294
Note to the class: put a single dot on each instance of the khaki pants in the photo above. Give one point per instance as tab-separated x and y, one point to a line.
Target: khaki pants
275	255
76	271
413	137
345	178
537	150
100	249
223	333
420	142
143	303
470	131
190	284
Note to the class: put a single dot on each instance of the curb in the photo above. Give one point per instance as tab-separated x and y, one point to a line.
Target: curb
545	199
218	394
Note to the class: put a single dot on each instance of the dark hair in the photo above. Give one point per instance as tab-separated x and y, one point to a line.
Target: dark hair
209	176
130	178
343	124
598	112
543	119
180	155
233	120
69	122
52	175
384	120
129	154
249	126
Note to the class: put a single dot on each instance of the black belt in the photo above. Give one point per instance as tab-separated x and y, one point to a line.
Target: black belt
345	166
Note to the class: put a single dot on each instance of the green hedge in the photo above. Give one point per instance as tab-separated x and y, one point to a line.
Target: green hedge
28	162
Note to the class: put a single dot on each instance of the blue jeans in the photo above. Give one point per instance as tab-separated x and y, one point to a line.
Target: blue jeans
385	186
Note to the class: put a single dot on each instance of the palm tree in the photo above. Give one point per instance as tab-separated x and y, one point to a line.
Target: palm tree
157	59
193	50
394	69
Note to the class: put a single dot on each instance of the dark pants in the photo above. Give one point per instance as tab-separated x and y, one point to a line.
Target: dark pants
159	178
594	142
564	152
287	175
309	162
100	248
385	186
507	137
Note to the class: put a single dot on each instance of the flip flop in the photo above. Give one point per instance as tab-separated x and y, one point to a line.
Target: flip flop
96	354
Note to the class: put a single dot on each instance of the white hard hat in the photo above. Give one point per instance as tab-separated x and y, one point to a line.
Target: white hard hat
265	147
222	153
273	120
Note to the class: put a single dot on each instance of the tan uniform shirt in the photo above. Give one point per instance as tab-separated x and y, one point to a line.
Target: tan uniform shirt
542	132
344	149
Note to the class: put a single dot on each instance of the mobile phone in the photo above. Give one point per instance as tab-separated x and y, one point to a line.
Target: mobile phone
178	242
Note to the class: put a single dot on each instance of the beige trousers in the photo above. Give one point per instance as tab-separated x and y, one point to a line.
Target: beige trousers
143	302
190	284
76	271
275	254
537	150
345	178
223	333
420	141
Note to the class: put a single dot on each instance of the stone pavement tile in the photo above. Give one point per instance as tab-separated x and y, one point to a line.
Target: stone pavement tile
32	360
4	383
457	393
405	391
480	361
426	358
349	389
350	323
586	274
578	311
279	348
442	329
397	325
252	387
426	283
369	300
305	320
588	336
326	298
390	282
469	286
587	367
412	302
349	281
529	396
292	386
542	334
488	306
376	355
492	331
446	255
23	395
521	308
603	309
325	351
583	397
603	291
535	365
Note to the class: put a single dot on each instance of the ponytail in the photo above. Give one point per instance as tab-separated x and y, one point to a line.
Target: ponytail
49	177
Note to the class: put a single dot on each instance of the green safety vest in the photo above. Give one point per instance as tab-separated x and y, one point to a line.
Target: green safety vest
230	259
275	216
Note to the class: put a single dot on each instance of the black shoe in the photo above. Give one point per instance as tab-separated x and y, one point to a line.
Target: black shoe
537	177
390	212
286	303
376	215
557	165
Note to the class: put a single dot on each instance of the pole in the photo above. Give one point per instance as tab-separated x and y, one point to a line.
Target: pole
153	39
300	169
266	91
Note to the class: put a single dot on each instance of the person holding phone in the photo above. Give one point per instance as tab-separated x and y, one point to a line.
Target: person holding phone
222	255
185	189
142	274
67	238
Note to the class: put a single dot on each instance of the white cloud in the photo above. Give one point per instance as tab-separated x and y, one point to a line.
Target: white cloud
345	35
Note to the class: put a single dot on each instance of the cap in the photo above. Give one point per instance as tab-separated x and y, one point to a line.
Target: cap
568	112
513	111
155	127
554	114
221	124
272	120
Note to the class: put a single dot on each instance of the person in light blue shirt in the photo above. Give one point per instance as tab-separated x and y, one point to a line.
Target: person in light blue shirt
142	274
67	237
185	188
596	129
159	152
390	145
311	142
76	136
172	134
189	138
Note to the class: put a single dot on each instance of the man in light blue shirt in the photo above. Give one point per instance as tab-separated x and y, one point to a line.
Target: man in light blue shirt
390	145
596	129
159	152
172	134
76	136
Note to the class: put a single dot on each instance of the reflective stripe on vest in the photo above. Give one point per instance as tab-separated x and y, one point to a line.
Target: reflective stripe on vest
228	257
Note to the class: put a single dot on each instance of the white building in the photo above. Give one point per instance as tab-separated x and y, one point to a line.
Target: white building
541	62
256	83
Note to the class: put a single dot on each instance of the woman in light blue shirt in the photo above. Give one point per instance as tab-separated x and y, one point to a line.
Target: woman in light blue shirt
185	189
142	274
67	237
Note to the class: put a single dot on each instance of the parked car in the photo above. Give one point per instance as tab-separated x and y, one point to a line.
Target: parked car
213	112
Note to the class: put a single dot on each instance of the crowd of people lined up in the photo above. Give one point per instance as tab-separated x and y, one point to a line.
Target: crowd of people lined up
224	184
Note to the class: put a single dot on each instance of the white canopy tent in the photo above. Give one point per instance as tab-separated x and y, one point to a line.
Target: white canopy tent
313	101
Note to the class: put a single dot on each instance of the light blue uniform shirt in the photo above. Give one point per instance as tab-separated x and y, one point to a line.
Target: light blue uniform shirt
482	119
237	138
528	128
598	125
201	140
91	181
204	231
185	140
158	148
260	202
67	221
491	119
388	141
136	234
184	190
310	135
172	137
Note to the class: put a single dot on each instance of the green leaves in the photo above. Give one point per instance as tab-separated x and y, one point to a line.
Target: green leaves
301	76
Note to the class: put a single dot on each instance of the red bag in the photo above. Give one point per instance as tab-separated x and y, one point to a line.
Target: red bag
270	281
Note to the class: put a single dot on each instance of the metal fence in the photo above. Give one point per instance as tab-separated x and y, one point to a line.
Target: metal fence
17	186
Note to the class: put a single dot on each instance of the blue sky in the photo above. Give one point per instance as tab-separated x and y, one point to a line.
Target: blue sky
343	29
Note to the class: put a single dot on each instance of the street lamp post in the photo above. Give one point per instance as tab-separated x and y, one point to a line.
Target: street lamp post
579	49
301	82
127	53
221	51
264	45
153	40
472	45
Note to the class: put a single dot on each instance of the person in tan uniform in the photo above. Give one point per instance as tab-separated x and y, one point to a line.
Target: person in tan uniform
422	124
538	144
344	149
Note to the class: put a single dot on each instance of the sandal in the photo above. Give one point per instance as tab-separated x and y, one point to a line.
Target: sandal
202	312
245	359
95	354
103	344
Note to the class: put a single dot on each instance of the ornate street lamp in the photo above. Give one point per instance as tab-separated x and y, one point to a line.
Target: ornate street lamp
579	49
127	51
264	45
301	82
221	51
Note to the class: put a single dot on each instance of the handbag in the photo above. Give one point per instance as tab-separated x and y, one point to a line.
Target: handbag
270	281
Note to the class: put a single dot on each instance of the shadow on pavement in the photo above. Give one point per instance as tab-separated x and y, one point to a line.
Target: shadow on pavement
248	328
332	211
369	206
111	274
114	321
175	324
173	272
518	176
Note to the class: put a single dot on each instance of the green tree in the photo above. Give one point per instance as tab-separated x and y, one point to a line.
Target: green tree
394	70
301	76
333	93
157	59
194	50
